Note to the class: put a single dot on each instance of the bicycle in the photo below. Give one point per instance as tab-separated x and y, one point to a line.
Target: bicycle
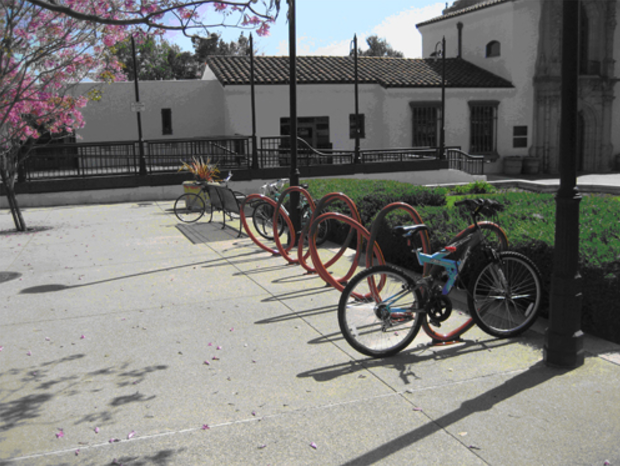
262	216
191	207
382	308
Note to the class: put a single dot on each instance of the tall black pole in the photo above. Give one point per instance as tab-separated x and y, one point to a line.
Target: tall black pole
564	338
253	104
142	160
442	131
357	104
294	173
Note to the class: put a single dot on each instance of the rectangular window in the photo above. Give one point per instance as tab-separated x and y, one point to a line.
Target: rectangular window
483	129
313	130
361	125
166	121
426	119
519	136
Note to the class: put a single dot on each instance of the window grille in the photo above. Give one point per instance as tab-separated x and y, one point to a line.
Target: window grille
483	130
426	120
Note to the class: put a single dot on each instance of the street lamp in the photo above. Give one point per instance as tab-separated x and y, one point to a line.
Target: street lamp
440	50
356	158
142	159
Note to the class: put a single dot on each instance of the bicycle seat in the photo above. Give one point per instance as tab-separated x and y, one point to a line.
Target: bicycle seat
409	230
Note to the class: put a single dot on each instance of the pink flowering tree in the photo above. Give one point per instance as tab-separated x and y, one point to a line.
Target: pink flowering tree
48	46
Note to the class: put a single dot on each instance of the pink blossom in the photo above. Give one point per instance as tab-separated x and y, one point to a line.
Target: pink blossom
205	426
313	445
96	430
131	434
60	434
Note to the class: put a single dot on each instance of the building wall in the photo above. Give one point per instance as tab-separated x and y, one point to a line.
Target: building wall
337	101
196	110
515	26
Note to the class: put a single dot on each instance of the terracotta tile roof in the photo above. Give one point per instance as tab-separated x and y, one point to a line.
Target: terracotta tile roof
463	11
387	72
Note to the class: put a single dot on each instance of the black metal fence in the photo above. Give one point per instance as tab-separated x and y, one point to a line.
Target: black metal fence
123	158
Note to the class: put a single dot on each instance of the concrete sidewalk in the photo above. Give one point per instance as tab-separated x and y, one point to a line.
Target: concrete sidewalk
129	339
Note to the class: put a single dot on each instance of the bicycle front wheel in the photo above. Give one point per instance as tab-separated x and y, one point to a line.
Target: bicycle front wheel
262	218
189	207
505	295
378	312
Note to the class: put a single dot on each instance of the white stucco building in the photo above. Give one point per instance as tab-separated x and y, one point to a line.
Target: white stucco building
502	84
520	40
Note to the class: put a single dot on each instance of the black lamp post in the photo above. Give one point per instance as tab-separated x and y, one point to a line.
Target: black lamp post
294	172
142	159
442	130
356	158
253	105
564	338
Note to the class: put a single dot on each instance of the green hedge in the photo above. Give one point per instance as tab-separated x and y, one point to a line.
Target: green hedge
528	219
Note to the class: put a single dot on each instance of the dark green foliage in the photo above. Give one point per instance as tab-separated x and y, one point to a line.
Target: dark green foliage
529	221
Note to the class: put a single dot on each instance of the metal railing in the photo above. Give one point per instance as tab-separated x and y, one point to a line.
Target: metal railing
73	160
459	160
79	160
275	151
165	156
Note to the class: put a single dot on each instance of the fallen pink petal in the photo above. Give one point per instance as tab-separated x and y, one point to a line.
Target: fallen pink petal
214	358
218	348
1	348
60	434
131	434
417	408
82	337
205	426
313	445
96	430
29	353
77	452
112	440
207	363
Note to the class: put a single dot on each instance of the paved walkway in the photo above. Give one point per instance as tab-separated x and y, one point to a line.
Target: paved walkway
124	342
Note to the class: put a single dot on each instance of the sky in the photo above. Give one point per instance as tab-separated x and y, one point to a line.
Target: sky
326	27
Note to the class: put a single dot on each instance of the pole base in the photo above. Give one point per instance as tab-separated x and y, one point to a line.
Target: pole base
564	351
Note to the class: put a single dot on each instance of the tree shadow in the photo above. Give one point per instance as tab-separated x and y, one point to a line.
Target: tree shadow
13	413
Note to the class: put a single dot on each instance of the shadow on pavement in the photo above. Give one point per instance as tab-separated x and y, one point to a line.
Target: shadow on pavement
536	375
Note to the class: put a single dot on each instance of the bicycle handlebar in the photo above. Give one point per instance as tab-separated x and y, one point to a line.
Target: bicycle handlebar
483	206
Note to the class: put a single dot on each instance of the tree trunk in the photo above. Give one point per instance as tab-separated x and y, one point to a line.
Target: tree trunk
9	187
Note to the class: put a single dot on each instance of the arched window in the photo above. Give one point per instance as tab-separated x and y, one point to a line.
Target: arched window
493	49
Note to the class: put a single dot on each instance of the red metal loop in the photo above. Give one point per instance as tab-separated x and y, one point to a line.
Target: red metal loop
248	230
374	228
284	252
321	205
362	232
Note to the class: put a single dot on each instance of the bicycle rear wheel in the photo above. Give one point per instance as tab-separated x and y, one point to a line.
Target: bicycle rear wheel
505	295
262	218
388	319
189	207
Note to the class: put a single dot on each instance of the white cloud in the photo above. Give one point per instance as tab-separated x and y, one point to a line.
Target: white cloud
400	32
